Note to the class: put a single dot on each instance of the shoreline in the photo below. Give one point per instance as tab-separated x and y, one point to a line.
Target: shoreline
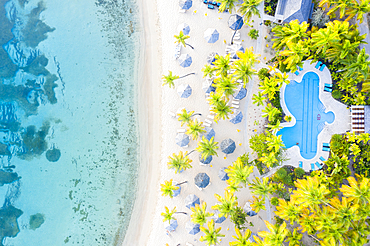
149	100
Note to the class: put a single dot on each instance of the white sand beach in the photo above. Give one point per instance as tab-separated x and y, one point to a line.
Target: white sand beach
161	20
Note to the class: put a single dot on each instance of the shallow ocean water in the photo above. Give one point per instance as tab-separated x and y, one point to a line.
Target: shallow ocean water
68	121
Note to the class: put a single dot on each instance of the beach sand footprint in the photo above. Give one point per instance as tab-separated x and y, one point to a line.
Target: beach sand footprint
302	101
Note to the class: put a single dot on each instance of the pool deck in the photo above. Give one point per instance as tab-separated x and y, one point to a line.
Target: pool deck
340	125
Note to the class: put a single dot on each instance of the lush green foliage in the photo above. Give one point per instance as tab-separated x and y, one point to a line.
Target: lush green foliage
253	33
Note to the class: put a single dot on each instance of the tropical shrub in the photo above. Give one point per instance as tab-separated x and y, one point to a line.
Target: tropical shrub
263	73
319	18
299	172
238	217
253	34
336	94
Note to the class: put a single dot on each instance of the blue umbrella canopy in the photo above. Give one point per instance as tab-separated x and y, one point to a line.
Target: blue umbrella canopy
191	200
185	4
211	58
235	22
207	86
211	35
222	174
233	53
205	161
184	90
192	228
182	139
210	133
178	191
251	213
239	95
216	217
185	60
236	117
185	28
172	226
201	180
228	146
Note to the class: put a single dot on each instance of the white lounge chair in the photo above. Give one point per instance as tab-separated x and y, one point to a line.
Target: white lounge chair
181	130
208	121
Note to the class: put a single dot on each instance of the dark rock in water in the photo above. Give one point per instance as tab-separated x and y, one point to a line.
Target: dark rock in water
4	150
36	221
34	141
53	155
8	222
7	177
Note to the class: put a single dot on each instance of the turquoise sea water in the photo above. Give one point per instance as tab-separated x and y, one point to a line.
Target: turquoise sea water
68	121
303	102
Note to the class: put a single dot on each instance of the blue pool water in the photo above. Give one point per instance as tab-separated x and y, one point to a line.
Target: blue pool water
302	100
68	121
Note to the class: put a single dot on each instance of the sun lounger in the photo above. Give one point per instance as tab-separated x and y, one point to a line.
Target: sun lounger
218	4
300	69
326	149
312	167
235	102
318	165
208	121
205	2
210	6
234	106
301	164
237	42
296	73
181	130
189	244
182	10
328	85
212	117
325	145
322	158
322	67
328	89
206	124
318	64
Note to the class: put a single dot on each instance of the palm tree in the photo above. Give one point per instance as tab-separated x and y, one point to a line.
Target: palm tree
243	71
334	6
360	66
294	238
180	39
359	9
310	192
274	142
169	79
270	112
221	110
249	8
258	99
222	65
195	128
207	147
324	38
215	99
212	234
168	188
179	162
185	116
288	210
259	188
357	191
290	33
295	54
277	234
258	204
168	214
227	4
208	71
227	204
275	128
239	172
269	159
341	51
225	86
241	240
269	87
199	215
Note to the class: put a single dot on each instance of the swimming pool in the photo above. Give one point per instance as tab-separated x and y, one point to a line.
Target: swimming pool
302	100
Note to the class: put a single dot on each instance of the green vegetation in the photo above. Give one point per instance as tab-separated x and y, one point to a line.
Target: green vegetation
253	33
180	39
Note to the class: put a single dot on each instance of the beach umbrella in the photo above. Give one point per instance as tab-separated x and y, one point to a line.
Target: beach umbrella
207	86
216	217
251	213
222	174
185	4
192	228
185	28
236	117
178	191
239	95
182	139
211	58
201	180
210	133
211	35
205	161
191	200
185	60
233	54
173	225
184	90
228	146
235	22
